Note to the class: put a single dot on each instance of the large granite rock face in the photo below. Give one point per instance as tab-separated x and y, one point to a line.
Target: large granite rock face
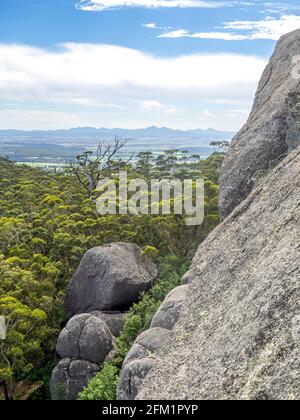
85	337
237	337
109	277
272	130
140	360
70	377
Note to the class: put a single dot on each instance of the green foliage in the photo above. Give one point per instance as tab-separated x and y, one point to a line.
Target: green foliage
47	223
103	386
23	344
150	252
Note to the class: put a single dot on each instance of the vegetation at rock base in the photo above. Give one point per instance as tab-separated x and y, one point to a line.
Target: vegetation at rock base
47	223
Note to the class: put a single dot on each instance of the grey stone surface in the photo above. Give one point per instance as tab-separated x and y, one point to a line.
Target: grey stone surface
237	337
186	278
70	377
139	361
296	329
114	320
132	376
168	313
109	277
85	337
272	130
148	343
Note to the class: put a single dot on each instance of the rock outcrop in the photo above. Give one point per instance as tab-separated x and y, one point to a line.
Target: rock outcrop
238	333
168	313
140	360
85	337
114	320
109	277
237	337
70	377
272	130
148	346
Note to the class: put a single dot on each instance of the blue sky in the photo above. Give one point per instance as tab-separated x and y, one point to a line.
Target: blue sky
134	63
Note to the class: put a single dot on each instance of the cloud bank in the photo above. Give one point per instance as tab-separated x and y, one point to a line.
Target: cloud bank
100	5
262	5
117	86
267	29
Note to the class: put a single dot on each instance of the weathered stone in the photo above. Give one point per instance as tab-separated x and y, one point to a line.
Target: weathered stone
109	277
168	313
70	377
139	361
148	343
296	329
272	130
186	278
238	331
85	337
132	376
114	320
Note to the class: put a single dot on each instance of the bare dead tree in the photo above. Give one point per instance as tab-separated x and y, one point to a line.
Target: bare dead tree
89	168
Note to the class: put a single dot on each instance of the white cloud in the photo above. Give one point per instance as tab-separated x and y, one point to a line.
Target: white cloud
268	28
182	33
85	102
179	33
84	67
116	86
150	25
100	5
157	106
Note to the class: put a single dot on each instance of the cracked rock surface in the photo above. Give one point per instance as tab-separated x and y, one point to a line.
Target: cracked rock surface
272	130
168	313
109	277
85	337
114	320
140	360
70	377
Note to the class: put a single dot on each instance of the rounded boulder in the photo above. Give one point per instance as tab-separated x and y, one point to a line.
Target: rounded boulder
85	337
110	277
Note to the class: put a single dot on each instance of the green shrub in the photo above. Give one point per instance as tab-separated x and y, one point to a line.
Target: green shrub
103	386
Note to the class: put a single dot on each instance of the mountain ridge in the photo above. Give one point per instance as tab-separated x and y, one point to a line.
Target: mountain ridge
152	131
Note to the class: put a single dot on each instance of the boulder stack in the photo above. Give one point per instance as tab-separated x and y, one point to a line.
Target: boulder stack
85	337
109	278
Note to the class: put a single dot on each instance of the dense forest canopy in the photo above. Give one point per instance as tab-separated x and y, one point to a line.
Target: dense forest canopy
47	222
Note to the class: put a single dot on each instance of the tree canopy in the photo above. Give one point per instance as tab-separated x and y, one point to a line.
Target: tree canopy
48	220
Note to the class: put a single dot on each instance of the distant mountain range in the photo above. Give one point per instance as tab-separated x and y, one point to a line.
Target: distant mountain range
53	146
107	133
